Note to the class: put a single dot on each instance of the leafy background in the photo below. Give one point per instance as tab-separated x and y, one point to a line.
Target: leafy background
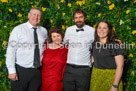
121	13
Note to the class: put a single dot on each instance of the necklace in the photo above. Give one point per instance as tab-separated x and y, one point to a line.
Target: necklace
100	49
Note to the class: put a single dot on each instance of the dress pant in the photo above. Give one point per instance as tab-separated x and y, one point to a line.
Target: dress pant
76	78
29	79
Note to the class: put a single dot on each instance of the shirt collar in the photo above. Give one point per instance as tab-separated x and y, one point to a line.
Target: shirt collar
80	28
30	25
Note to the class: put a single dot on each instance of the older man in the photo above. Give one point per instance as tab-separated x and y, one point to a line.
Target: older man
24	53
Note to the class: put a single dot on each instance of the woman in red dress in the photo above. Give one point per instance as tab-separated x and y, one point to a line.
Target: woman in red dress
54	62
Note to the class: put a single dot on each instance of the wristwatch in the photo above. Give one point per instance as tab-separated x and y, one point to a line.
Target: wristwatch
115	86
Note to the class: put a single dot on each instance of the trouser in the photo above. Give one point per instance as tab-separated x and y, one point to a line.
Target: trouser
76	78
29	79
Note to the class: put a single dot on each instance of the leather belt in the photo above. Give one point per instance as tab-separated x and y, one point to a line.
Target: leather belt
78	66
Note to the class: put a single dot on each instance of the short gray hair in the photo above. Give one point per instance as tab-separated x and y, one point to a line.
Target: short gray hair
36	8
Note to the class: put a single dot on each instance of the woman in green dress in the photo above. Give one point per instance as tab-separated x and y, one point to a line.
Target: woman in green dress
108	59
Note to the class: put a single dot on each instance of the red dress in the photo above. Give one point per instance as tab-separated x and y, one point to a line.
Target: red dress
54	62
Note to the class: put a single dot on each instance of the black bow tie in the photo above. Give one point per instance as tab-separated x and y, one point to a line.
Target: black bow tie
79	30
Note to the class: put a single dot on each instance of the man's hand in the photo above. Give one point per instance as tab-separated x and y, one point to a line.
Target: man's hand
120	42
13	76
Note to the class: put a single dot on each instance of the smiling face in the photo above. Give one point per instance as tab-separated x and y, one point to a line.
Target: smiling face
79	19
56	38
102	30
34	17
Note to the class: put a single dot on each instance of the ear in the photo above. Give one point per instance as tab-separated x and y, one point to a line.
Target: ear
28	15
41	18
85	19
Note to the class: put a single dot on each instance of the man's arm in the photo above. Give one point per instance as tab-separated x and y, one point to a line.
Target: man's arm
10	55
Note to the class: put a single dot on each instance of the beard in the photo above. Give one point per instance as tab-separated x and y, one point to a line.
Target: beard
79	25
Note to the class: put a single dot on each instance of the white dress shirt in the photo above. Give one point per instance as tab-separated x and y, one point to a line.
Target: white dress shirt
79	45
21	46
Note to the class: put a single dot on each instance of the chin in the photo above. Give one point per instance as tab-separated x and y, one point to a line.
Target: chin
57	43
80	26
103	37
35	24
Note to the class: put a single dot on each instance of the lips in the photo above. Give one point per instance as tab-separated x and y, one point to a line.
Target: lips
35	20
101	33
57	40
78	22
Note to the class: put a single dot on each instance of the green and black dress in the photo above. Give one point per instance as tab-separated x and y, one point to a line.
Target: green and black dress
104	67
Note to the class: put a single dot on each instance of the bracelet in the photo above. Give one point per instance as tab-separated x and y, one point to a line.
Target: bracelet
115	86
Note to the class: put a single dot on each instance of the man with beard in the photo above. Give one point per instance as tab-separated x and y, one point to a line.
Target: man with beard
78	70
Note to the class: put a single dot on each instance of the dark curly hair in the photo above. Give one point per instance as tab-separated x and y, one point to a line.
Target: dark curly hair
79	10
55	30
111	34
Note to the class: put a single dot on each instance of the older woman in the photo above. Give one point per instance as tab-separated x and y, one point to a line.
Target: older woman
108	59
54	62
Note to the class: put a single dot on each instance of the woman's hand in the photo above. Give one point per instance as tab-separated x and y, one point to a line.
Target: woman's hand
114	89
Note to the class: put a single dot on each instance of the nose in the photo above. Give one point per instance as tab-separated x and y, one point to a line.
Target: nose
78	19
36	16
57	38
101	29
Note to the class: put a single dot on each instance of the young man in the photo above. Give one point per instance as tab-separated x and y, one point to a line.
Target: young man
78	70
24	53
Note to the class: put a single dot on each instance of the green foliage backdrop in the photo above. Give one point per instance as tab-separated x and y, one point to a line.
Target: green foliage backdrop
121	13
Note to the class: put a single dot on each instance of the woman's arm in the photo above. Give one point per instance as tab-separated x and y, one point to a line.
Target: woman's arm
119	59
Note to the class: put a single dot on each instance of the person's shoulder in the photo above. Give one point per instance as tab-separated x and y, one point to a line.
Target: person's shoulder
115	42
89	27
71	27
19	27
42	28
